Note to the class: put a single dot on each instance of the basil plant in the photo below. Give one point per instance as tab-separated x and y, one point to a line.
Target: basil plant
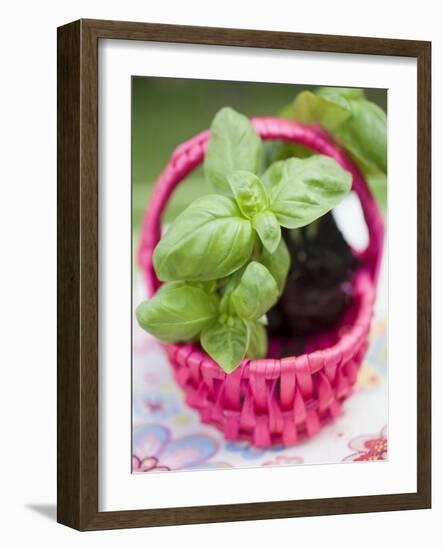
223	261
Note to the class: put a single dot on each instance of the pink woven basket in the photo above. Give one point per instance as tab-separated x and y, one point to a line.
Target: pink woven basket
273	401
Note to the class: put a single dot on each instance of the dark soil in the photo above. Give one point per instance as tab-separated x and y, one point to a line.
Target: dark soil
318	287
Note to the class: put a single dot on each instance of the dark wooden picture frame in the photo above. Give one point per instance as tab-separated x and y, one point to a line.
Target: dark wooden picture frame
77	224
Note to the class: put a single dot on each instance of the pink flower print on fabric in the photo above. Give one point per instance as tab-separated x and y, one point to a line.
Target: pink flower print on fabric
154	450
369	447
283	460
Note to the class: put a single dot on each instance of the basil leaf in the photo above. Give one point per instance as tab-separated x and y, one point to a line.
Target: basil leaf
341	96
277	263
256	292
209	240
309	108
258	341
177	312
249	192
226	341
378	186
231	282
234	145
268	229
358	125
302	190
365	135
207	286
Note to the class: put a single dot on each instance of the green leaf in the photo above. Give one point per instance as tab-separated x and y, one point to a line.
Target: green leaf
249	192
268	229
357	124
226	341
341	96
256	292
258	341
378	186
209	240
234	145
208	286
277	263
177	312
230	283
302	190
365	135
309	108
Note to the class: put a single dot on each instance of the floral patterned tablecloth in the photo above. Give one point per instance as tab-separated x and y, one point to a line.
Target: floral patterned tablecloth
168	435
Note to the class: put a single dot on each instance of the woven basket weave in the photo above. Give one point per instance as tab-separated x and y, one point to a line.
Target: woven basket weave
273	401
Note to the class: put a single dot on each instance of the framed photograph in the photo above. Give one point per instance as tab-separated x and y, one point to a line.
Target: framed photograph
243	274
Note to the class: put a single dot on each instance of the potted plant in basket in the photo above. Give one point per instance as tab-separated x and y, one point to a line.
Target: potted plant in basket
218	275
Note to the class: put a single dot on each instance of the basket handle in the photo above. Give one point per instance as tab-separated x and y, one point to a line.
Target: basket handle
191	153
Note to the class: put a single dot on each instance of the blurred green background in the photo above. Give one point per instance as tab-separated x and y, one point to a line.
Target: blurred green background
168	111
